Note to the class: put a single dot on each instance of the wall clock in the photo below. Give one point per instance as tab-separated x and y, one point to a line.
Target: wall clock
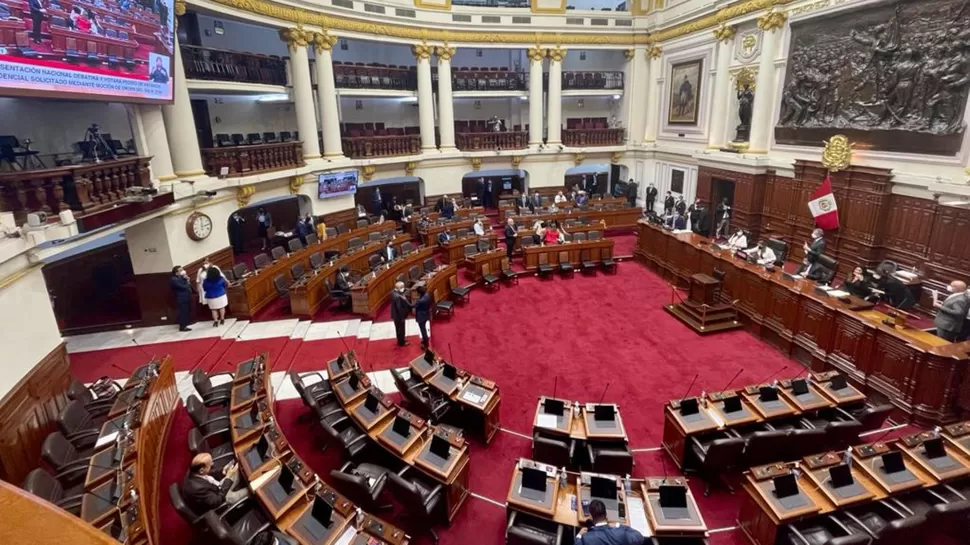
198	226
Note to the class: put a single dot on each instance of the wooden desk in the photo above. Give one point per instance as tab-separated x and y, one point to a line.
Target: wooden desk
958	435
954	465
577	421
429	236
920	378
575	250
475	264
526	231
616	218
453	251
474	396
372	291
691	527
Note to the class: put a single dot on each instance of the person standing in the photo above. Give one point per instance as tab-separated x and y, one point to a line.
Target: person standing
651	197
422	313
489	194
321	230
681	205
601	532
816	247
632	189
522	202
264	221
215	286
510	234
668	204
37	13
236	237
952	311
377	203
182	290
303	229
199	278
724	219
400	308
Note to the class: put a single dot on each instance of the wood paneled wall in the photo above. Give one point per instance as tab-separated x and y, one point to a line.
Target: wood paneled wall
30	413
875	224
38	521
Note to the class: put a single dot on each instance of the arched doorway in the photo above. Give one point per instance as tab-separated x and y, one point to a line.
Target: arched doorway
244	235
401	189
594	179
504	184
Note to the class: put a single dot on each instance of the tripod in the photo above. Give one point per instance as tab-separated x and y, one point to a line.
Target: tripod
94	147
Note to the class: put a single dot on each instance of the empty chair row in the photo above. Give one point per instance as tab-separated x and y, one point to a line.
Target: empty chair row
255	138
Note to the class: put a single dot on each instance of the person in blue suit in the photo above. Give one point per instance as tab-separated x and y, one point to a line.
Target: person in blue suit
602	532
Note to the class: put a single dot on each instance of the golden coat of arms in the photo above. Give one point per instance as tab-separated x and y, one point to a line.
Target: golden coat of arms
837	152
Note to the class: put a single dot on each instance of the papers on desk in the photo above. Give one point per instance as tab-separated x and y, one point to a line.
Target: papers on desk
472	397
716	418
221	379
256	483
681	231
906	275
838	294
347	537
106	440
548	421
637	516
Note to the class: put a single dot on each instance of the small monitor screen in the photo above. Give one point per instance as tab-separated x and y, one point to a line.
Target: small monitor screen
450	372
322	511
934	448
440	447
767	393
534	479
429	356
402	426
673	496
603	412
337	184
554	406
371	402
799	386
841	475
262	447
732	404
689	406
838	382
786	486
286	479
602	488
354	381
892	462
254	412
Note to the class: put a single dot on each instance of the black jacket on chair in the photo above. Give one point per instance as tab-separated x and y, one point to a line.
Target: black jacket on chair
202	496
422	308
400	307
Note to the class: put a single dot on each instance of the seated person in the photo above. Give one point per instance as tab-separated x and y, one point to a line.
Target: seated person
478	228
424	222
601	532
858	284
445	236
763	255
582	198
361	212
342	282
552	235
387	253
204	491
892	290
559	198
738	240
408	212
553	208
680	222
539	232
812	270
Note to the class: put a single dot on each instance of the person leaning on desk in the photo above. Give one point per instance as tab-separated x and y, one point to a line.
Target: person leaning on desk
762	254
601	532
892	290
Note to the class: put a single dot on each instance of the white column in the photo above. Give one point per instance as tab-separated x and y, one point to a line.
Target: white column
151	138
536	55
653	93
446	103
422	54
554	115
327	95
183	141
288	66
722	86
296	40
772	25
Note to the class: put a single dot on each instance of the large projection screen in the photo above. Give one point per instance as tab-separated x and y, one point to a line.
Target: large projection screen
118	50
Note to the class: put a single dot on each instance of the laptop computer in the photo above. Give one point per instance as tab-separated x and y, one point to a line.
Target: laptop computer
533	484
799	386
604	413
322	517
673	501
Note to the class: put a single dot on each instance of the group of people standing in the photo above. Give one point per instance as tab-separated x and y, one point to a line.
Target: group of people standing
210	286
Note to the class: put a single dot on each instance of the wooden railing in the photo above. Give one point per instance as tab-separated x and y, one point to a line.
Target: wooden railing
464	79
85	188
245	160
357	147
592	80
472	141
592	137
217	64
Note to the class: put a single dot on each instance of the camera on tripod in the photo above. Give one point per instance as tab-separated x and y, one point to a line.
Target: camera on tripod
95	147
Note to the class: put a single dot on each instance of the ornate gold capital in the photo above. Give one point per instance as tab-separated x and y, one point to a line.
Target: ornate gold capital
368	172
322	41
295	183
654	51
409	167
557	54
295	37
179	7
422	51
579	158
615	158
244	193
629	54
444	52
773	20
536	53
837	153
476	163
745	77
725	33
516	161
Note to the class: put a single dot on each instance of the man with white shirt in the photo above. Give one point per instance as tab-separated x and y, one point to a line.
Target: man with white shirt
603	533
738	240
952	311
478	228
762	254
203	492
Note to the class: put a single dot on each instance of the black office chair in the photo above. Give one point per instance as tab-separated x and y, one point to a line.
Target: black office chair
340	296
320	390
565	267
460	293
42	484
469	250
363	484
347	436
524	529
554	450
282	287
373	237
489	278
422	500
406	247
277	252
316	261
484	246
297	271
829	266
234	524
594	235
212	396
765	446
887	524
331	232
613	457
69	463
824	531
717	457
294	244
96	407
508	273
841	434
221	451
78	425
545	269
780	248
873	417
312	239
261	261
586	263
208	422
579	237
607	262
239	270
802	442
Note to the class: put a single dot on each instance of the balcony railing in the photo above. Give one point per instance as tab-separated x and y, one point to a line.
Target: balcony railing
244	160
217	64
358	147
474	141
592	137
85	188
374	76
489	79
592	80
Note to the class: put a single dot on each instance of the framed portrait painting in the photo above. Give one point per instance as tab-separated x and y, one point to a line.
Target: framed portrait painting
685	92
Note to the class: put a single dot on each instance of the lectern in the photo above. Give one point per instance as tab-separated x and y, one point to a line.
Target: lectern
702	311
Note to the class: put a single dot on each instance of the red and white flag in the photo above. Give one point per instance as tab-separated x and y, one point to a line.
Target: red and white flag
823	207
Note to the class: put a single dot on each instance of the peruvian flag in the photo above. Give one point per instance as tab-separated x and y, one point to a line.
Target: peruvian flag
823	207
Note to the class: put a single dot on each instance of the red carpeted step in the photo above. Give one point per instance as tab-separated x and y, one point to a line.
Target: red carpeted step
119	362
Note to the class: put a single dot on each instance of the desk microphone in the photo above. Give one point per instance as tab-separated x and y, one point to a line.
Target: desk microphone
451	354
771	376
689	387
602	397
120	368
663	463
732	380
555	384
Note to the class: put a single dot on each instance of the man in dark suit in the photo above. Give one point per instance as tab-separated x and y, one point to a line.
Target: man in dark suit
952	312
182	290
651	197
892	290
422	314
816	247
205	490
377	202
342	283
668	204
510	234
535	201
602	532
522	202
681	205
236	236
489	194
400	308
37	13
445	236
388	253
632	189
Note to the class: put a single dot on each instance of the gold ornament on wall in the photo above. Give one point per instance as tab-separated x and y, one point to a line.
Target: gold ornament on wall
179	7
536	53
409	167
615	158
295	183
322	41
368	172
654	51
837	153
725	33
630	54
244	193
422	51
557	54
444	52
579	158
516	161
749	42
295	37
773	20
476	163
745	77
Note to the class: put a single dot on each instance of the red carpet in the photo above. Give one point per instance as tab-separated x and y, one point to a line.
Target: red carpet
119	362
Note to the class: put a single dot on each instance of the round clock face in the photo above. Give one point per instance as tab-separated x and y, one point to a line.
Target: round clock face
199	226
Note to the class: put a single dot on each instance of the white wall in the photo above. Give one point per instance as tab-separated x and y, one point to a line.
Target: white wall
241	37
597	106
55	125
514	111
368	52
596	59
28	329
243	114
392	112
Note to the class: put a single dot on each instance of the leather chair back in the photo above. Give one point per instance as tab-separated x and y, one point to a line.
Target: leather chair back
429	265
470	250
331	232
79	392
353	486
297	271
58	452
240	269
196	410
343	229
362	222
765	446
595	235
372	237
804	442
261	261
579	237
407	247
484	246
905	531
780	247
197	443
550	450
294	244
355	242
462	233
873	417
414	273
316	260
184	511
724	454
841	434
829	265
949	517
277	252
202	383
407	493
374	261
42	484
74	418
311	239
861	538
279	282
